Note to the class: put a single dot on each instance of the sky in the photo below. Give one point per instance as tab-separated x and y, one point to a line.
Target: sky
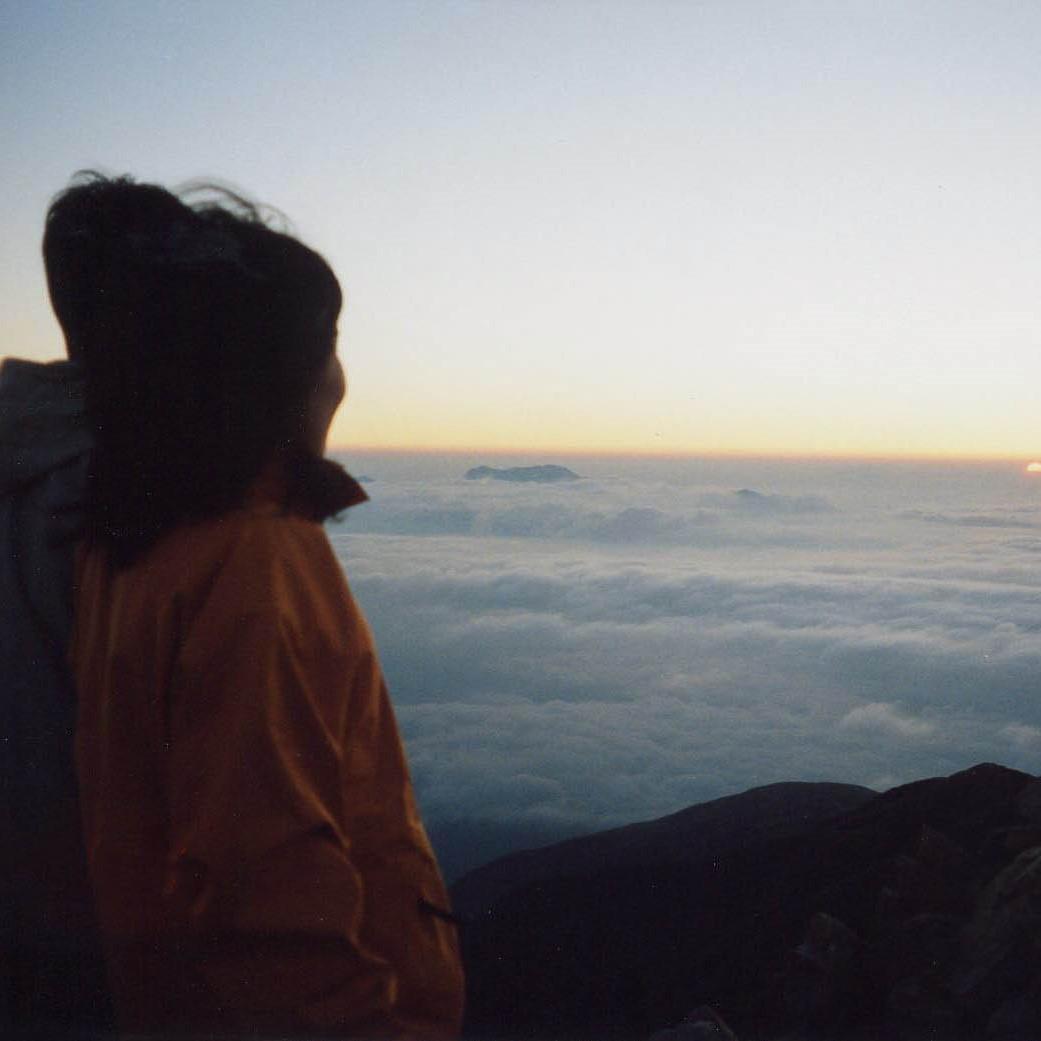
775	227
566	658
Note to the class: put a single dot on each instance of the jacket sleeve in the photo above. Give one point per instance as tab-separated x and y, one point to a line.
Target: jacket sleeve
261	891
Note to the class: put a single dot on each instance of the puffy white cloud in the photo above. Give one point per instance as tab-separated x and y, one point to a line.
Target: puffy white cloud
1023	734
600	511
883	717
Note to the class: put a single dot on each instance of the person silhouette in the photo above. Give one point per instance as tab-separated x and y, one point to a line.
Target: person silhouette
53	980
256	853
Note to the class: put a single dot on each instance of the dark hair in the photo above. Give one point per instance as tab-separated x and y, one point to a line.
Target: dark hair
224	329
84	250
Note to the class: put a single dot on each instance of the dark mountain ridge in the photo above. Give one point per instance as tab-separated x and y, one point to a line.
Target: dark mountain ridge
887	918
706	829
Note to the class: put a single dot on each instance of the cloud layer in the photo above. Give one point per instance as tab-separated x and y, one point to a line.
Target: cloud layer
611	651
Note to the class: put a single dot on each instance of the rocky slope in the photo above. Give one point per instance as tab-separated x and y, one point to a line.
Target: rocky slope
913	914
705	831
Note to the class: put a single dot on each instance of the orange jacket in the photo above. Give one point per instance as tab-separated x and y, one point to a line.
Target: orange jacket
255	849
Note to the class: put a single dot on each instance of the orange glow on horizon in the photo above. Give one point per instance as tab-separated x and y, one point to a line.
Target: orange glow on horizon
569	451
615	428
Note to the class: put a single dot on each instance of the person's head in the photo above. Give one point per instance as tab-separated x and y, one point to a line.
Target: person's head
85	254
223	364
287	315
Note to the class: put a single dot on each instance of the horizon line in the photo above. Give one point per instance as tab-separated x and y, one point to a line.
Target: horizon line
866	457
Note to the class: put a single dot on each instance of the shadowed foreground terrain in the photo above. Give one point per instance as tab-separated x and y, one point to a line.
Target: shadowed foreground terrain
794	911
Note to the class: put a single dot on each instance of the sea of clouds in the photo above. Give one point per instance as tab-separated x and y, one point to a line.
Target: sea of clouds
568	657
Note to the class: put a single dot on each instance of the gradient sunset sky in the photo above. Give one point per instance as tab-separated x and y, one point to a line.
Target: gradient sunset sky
764	227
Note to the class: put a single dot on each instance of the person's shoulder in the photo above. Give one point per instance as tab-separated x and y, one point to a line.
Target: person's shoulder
280	536
43	426
240	539
24	372
262	556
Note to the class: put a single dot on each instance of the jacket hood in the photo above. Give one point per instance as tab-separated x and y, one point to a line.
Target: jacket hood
42	419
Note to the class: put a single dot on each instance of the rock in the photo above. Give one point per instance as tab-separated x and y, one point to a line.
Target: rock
934	879
1016	1019
940	854
888	905
818	972
916	960
703	1024
915	1005
910	880
1029	802
1016	840
832	941
691	1032
1002	944
926	943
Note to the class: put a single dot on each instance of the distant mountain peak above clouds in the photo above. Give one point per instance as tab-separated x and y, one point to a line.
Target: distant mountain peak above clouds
545	474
